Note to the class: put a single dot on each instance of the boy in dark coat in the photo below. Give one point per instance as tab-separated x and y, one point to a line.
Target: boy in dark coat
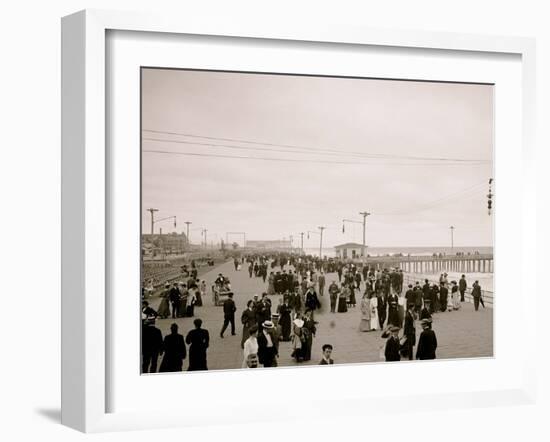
392	346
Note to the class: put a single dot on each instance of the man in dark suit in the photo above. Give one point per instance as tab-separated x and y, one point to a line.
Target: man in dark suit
409	331
229	310
443	296
476	294
381	307
175	298
462	286
410	296
174	351
267	345
151	346
427	343
327	352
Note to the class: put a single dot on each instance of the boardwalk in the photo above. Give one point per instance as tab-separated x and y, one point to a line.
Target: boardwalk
464	333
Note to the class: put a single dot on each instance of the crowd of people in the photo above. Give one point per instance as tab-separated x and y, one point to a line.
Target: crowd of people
300	281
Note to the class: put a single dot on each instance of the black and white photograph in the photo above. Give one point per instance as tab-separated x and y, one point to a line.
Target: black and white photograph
294	220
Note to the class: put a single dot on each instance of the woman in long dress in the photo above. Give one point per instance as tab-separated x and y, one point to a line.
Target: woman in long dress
297	339
309	331
198	296
455	296
250	345
343	300
190	310
365	324
373	303
164	306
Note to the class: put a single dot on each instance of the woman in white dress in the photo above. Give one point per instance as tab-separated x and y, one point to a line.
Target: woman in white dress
366	314
373	312
250	345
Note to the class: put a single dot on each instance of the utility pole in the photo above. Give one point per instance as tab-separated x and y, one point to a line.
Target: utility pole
365	214
452	237
152	219
187	234
321	228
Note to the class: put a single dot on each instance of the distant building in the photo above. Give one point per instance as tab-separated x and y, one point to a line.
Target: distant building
349	250
268	244
166	243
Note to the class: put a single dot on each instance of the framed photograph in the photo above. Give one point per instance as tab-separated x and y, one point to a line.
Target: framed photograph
251	211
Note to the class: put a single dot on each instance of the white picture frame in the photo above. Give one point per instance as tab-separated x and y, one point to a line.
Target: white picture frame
86	201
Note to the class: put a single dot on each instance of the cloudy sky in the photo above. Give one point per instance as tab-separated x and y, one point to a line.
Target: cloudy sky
276	155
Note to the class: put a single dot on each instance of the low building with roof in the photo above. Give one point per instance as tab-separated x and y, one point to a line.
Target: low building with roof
349	250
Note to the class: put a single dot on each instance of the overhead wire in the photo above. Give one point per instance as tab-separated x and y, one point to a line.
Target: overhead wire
312	149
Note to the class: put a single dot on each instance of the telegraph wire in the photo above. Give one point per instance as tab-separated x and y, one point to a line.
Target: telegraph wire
340	152
468	191
294	160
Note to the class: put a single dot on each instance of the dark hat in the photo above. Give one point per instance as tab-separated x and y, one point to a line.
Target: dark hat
427	322
394	328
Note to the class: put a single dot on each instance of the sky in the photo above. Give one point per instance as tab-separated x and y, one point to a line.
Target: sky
312	151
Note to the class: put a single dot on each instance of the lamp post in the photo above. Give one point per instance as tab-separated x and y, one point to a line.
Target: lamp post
364	223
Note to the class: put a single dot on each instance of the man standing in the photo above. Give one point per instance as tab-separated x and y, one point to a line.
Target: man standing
410	296
333	292
267	347
417	298
174	351
175	298
248	319
312	301
476	294
322	282
409	331
327	352
151	346
381	307
443	295
427	343
229	310
462	286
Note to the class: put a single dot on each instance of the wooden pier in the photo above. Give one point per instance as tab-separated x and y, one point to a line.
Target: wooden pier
475	263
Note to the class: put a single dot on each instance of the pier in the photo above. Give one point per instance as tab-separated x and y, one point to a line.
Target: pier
480	263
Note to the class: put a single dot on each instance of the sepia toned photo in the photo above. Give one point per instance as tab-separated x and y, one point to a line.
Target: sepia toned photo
301	220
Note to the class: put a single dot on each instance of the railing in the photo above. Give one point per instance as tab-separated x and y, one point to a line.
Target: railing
486	295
